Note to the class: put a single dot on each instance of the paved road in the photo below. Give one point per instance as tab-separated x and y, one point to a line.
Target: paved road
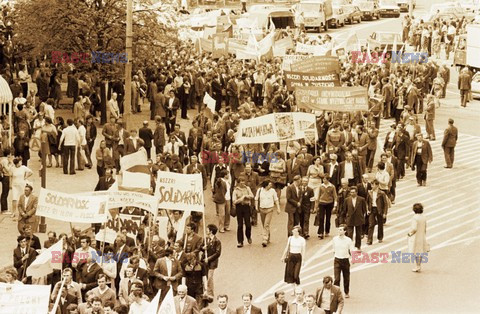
451	204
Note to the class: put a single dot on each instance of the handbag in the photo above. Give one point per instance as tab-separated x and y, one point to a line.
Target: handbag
287	256
233	210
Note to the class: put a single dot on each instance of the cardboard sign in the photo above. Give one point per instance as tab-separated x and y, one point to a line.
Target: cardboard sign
332	98
25	299
180	191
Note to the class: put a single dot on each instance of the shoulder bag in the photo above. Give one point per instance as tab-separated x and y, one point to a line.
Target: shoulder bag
287	256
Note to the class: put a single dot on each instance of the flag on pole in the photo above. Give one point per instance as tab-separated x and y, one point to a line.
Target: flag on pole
153	307
368	52
210	108
43	264
168	304
380	57
181	225
136	174
272	26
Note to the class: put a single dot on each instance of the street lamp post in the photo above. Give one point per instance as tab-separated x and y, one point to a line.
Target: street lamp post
127	107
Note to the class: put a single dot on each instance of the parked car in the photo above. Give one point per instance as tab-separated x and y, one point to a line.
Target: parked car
448	11
353	13
369	9
339	17
389	8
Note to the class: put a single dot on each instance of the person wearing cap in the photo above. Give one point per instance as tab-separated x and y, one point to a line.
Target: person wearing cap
420	156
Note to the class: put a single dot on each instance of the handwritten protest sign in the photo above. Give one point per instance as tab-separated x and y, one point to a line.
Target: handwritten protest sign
288	60
25	299
295	79
180	191
129	198
332	98
317	64
220	45
72	207
276	127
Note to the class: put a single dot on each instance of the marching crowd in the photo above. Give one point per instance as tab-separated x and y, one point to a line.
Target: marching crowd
336	176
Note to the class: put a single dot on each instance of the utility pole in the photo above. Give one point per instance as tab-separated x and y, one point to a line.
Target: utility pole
127	103
410	8
42	227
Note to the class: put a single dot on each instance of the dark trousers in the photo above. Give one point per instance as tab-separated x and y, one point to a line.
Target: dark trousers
324	213
305	221
243	217
69	155
148	149
24	89
463	97
184	107
5	191
342	266
257	94
401	168
449	153
170	125
421	174
293	220
370	157
358	235
398	114
375	219
365	225
100	171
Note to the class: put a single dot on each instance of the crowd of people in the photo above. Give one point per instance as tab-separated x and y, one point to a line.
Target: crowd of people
337	176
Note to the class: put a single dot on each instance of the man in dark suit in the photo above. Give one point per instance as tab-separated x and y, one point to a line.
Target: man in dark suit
122	252
247	305
356	208
23	256
306	207
280	306
110	132
65	300
105	182
421	156
349	169
27	207
159	101
377	211
372	134
361	144
171	105
180	135
194	142
222	301
450	137
194	241
332	169
132	143
293	167
214	250
88	275
140	273
34	240
332	293
464	85
196	167
401	150
363	188
164	279
292	206
146	134
412	97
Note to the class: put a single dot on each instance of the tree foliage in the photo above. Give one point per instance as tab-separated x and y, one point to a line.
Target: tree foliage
43	26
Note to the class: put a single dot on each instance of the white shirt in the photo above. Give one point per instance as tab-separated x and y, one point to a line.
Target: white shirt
267	198
139	308
326	295
49	112
70	136
348	170
249	309
332	167
82	132
354	201
181	304
169	266
342	246
297	245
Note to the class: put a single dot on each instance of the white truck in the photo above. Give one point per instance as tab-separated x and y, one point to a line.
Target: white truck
404	4
316	13
473	46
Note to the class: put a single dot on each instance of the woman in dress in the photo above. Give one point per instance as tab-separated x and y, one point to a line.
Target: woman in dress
242	198
19	177
49	135
293	256
315	174
417	236
278	171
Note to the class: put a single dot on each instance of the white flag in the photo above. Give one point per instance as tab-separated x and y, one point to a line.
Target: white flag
43	264
153	307
181	225
168	304
209	101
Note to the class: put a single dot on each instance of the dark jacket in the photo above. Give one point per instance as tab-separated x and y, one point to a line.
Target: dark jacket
214	250
146	135
355	215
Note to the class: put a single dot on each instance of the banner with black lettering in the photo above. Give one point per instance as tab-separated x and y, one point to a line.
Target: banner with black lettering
180	191
294	79
72	207
332	98
129	198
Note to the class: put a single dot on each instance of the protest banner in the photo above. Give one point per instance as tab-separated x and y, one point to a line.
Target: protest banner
220	45
277	127
332	98
208	32
72	207
206	45
294	79
279	51
25	299
43	264
289	59
317	64
180	191
118	199
284	43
